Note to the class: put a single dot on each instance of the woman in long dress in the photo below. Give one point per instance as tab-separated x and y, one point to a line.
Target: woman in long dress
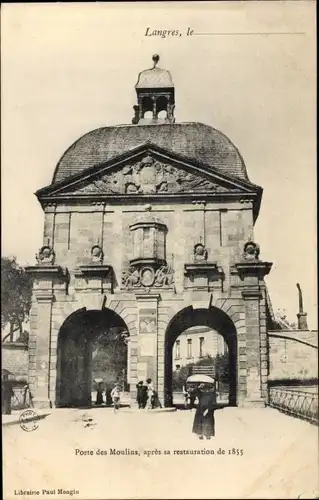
150	393
99	394
204	420
115	395
141	394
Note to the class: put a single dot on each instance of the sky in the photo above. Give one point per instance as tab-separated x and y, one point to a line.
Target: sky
68	68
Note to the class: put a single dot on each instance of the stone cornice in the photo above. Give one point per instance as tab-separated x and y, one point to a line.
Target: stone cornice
100	198
47	271
148	297
252	268
251	293
210	268
44	297
93	270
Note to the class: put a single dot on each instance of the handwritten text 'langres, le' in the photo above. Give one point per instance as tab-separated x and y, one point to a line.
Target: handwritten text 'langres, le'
168	33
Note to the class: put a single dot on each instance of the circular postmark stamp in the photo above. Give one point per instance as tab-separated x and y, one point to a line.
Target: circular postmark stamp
29	420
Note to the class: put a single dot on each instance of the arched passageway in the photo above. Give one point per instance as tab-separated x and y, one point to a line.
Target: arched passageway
217	321
80	337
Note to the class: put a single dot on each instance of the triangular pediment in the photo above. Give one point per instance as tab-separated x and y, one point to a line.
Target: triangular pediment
148	171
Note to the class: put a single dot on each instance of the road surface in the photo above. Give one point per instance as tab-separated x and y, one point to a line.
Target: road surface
257	453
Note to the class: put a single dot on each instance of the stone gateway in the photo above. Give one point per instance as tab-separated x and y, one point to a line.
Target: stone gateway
148	231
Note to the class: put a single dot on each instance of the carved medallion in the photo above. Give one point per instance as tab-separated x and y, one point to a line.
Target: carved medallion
147	276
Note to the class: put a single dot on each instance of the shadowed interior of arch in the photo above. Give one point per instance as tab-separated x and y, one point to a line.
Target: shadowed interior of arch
218	321
91	346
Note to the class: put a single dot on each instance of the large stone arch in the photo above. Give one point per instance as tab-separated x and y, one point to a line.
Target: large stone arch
216	319
74	353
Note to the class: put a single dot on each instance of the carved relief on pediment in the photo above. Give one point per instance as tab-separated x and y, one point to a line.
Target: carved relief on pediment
149	176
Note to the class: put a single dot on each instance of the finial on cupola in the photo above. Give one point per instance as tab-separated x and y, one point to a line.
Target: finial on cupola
155	58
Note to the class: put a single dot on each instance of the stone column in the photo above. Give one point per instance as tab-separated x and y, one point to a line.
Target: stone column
154	107
46	276
252	272
253	367
147	337
43	341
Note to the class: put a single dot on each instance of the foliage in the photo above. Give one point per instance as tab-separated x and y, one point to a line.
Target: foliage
282	322
23	338
220	362
110	356
179	377
16	295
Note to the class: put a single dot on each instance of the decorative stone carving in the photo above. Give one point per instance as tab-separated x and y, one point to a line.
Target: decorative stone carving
251	251
251	270
170	112
136	116
147	277
200	253
131	278
97	254
164	276
45	256
150	176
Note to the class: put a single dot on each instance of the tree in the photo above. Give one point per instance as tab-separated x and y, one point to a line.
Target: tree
110	355
282	322
222	367
16	295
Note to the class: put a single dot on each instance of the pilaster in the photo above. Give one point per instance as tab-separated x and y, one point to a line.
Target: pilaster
45	279
147	348
251	272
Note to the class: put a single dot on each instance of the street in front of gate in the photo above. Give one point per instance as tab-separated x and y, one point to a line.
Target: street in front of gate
257	453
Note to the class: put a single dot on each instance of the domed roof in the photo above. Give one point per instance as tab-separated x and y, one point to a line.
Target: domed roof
194	141
154	78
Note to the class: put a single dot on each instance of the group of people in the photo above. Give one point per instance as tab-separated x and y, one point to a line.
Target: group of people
147	397
112	397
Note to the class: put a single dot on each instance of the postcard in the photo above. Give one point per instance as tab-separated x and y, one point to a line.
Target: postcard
159	334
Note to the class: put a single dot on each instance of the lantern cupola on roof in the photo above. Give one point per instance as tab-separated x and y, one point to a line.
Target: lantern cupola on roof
155	96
